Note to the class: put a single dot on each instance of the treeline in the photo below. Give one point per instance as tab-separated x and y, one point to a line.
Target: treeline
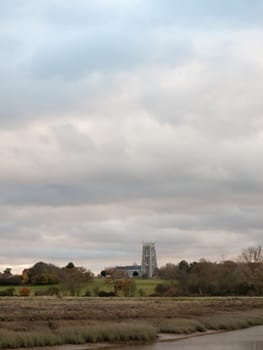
204	278
70	278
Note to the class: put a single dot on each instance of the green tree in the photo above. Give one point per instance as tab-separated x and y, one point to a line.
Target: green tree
42	273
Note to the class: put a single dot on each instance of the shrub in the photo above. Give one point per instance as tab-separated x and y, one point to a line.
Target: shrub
40	293
162	288
53	291
171	292
9	292
14	280
104	293
96	291
141	292
24	292
47	292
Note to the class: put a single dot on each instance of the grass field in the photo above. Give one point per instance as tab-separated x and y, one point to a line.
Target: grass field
147	285
42	321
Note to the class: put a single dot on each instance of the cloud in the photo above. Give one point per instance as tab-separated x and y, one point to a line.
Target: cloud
128	121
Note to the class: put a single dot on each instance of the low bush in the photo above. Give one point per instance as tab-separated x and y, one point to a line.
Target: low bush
47	292
40	293
53	291
104	293
8	292
141	292
24	292
162	288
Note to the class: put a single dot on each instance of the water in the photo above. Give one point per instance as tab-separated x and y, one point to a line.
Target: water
247	339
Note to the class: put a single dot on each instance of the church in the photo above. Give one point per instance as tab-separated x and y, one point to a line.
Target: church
146	270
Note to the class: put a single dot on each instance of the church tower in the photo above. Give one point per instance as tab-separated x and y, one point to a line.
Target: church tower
149	260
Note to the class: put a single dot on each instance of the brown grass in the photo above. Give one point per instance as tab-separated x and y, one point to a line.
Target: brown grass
43	321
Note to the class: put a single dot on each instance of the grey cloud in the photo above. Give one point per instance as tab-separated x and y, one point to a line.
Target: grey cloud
128	128
108	239
73	140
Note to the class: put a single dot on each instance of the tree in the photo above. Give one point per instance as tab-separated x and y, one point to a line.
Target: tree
183	266
202	278
252	270
124	286
182	273
103	273
252	255
70	265
7	271
42	273
74	279
169	271
7	278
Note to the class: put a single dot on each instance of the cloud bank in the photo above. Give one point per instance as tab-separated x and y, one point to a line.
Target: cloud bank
123	122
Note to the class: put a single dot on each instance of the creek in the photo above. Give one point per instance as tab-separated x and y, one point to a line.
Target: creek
245	339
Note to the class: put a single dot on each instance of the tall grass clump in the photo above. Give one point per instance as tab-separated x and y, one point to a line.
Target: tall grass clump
109	333
181	326
77	335
233	322
12	339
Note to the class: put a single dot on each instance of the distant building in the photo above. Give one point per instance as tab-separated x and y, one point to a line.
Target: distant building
130	270
146	269
149	260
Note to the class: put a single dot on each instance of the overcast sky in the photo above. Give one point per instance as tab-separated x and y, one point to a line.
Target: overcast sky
123	121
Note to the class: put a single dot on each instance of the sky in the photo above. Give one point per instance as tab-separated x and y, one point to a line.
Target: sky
123	121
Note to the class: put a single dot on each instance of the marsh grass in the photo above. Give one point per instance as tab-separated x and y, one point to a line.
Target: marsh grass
12	339
235	321
213	322
78	335
31	322
181	326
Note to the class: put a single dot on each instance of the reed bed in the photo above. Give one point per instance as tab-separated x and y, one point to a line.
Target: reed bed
235	321
31	322
78	335
109	333
181	326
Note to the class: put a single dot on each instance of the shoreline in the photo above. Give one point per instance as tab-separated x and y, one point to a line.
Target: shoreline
169	337
161	338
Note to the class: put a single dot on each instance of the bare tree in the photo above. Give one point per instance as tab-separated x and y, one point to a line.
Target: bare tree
252	255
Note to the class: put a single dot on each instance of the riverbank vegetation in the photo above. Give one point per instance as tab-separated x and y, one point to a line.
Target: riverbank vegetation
30	321
114	333
242	277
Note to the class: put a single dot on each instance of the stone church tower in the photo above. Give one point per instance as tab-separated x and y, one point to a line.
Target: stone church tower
149	260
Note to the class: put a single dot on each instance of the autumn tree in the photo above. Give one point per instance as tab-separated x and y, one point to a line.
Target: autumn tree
75	279
124	287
